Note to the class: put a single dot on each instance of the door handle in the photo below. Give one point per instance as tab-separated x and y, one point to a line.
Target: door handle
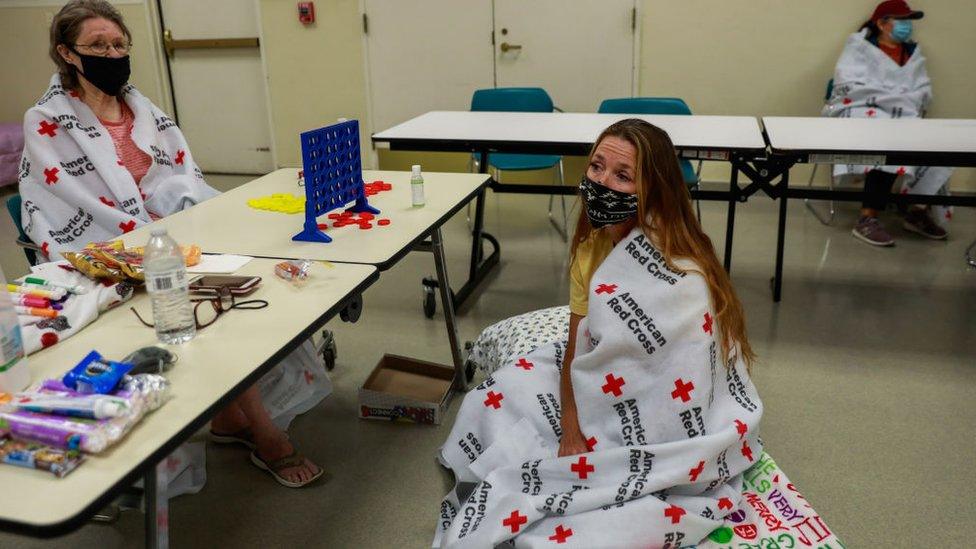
171	45
506	47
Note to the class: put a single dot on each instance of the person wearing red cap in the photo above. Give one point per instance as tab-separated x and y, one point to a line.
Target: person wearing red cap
881	74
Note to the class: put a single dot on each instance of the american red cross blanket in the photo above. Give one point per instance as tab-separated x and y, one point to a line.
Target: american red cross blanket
671	425
75	189
869	84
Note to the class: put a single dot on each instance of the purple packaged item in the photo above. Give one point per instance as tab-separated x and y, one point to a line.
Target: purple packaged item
61	432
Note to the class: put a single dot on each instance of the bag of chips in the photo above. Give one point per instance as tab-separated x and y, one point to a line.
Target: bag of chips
113	261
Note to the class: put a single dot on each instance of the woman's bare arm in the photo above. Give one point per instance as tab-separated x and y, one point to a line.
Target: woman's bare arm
573	441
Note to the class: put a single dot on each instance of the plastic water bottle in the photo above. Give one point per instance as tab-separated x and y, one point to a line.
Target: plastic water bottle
166	282
14	374
417	186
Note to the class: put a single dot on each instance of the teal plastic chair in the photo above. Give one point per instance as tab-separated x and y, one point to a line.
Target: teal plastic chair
829	218
30	249
521	100
658	105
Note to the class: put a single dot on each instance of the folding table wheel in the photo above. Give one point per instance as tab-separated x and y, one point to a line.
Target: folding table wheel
430	299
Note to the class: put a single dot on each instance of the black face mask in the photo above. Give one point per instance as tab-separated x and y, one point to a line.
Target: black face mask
606	206
108	74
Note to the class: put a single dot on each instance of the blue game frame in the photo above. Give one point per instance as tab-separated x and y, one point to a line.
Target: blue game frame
333	173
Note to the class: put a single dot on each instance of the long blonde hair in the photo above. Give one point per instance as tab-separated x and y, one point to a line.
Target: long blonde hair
665	215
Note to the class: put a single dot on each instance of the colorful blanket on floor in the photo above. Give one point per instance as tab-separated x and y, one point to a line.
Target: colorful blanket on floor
772	514
672	427
75	189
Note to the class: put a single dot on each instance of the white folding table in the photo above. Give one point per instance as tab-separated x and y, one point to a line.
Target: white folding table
226	224
222	361
904	141
735	139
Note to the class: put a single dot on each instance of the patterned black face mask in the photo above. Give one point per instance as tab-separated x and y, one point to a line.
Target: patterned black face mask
606	206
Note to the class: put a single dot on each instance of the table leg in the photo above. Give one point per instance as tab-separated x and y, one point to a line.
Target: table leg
730	219
155	483
480	265
784	183
440	263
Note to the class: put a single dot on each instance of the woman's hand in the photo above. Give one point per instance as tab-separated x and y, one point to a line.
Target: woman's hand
573	442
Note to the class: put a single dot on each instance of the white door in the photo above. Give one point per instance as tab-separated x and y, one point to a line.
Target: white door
220	93
425	55
581	52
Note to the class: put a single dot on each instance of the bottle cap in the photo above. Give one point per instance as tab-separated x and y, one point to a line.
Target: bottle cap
158	232
416	170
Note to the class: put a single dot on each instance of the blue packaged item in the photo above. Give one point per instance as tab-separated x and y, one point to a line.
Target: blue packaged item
94	374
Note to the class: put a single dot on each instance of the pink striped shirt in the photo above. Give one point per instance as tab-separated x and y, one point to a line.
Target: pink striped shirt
134	160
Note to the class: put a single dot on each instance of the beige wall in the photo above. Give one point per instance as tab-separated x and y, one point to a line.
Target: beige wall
26	69
745	57
774	57
315	73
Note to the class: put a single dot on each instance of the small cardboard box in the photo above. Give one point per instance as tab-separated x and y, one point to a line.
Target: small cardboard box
406	389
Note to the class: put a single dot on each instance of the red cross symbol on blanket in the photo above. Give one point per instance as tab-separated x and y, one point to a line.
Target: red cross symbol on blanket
591	443
106	201
515	521
707	326
561	535
524	364
725	503
309	378
494	400
127	227
74	93
871	112
44	247
695	471
901	170
746	450
48	128
613	385
847	101
606	289
51	175
582	468
682	390
741	428
179	156
674	513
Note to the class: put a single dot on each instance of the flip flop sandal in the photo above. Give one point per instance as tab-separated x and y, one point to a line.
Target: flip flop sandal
275	467
243	437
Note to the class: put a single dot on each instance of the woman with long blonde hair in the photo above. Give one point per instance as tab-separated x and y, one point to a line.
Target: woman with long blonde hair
633	165
636	431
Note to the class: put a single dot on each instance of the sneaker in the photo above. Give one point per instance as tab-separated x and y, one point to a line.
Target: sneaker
870	230
920	222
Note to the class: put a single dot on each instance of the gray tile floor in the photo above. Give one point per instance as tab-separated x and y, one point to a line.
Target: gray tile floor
868	370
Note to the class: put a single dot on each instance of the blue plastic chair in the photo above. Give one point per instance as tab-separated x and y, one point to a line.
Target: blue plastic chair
658	105
30	249
520	100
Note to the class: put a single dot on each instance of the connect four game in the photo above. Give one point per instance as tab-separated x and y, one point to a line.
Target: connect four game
333	176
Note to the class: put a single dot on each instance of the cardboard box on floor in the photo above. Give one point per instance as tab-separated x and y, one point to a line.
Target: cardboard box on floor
406	389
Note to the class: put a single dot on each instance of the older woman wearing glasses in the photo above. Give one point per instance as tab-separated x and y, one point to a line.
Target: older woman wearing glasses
100	160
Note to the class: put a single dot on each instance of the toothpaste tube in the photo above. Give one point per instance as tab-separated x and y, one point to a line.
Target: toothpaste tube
37	456
66	404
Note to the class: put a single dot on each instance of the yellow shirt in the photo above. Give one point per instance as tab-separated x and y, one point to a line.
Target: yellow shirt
589	256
